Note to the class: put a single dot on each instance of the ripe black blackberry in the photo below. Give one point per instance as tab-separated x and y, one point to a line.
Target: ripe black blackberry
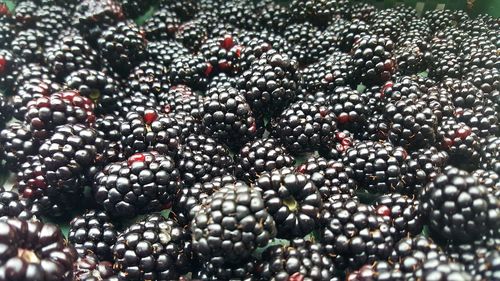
192	34
373	60
440	19
488	81
379	167
243	271
293	200
26	72
155	248
490	153
402	213
440	101
350	108
251	226
362	11
348	32
260	156
322	45
241	14
108	128
70	53
185	9
353	235
333	180
67	107
190	70
411	59
70	155
30	90
7	26
445	65
483	120
29	45
165	52
488	178
201	159
12	206
223	53
463	93
270	84
424	165
305	126
191	196
301	260
298	36
91	269
51	20
149	78
25	14
137	103
181	98
123	46
222	80
317	12
134	9
145	182
162	25
412	124
52	201
274	17
34	251
102	89
149	131
461	143
92	17
435	268
93	232
387	23
458	208
17	145
228	117
327	74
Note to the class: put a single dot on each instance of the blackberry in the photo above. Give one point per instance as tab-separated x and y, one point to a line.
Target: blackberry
274	17
91	269
458	208
93	232
29	45
51	20
440	101
464	94
250	227
411	59
260	156
191	196
69	54
293	200
123	46
241	14
137	103
440	19
379	167
30	90
70	155
348	32
7	26
243	271
165	52
305	126
483	120
153	249
222	80
134	9
424	165
185	9
52	201
92	17
12	206
201	159
162	25
412	124
67	107
6	110
25	14
227	116
387	23
95	85
445	65
490	153
148	78
460	142
301	260
490	179
488	81
322	45
327	74
333	180
405	12
17	145
30	71
373	60
350	108
145	182
181	98
223	53
353	235
402	213
439	270
252	51
192	34
271	83
481	58
362	11
108	127
318	12
298	37
34	251
190	70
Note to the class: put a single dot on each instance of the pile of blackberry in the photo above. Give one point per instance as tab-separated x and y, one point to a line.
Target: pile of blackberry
248	140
